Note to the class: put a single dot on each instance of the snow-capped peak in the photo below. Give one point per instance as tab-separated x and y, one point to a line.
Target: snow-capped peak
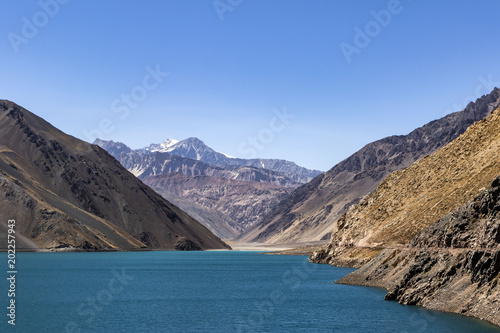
168	143
163	147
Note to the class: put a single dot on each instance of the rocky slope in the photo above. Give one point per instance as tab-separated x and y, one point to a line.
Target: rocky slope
411	199
244	202
67	194
218	223
309	213
453	265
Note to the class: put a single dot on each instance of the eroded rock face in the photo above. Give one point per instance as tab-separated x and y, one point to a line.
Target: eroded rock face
452	265
344	256
474	225
243	202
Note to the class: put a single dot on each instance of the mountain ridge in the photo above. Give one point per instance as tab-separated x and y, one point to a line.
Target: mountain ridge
309	212
158	163
196	149
411	199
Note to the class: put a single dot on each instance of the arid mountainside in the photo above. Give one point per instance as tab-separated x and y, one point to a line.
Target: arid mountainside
411	199
218	223
67	194
310	212
237	196
245	202
453	265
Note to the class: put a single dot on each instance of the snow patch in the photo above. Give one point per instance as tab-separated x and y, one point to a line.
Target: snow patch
164	147
228	156
137	170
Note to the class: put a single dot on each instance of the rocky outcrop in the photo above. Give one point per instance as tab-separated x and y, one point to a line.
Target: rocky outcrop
184	244
475	225
67	194
309	213
452	265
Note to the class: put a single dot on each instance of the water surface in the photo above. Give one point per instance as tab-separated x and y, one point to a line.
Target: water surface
205	292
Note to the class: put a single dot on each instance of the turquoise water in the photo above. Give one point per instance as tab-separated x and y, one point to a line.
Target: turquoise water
204	292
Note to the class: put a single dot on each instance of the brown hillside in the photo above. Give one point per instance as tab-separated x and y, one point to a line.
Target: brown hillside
409	200
453	265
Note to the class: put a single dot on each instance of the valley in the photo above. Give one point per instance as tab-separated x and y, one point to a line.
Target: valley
402	209
210	185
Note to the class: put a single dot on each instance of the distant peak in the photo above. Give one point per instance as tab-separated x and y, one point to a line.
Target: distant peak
98	141
165	146
112	147
168	142
193	140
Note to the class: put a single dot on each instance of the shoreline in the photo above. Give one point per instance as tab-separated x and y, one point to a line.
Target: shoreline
421	306
276	249
409	280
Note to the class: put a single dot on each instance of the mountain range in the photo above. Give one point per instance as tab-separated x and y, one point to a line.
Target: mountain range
309	213
211	185
417	214
197	150
66	194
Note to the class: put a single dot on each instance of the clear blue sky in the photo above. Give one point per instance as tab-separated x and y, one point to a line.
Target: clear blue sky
74	64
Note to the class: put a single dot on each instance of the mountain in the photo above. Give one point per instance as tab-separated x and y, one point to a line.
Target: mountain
225	200
163	147
67	194
243	202
197	150
452	265
409	200
218	223
310	212
144	165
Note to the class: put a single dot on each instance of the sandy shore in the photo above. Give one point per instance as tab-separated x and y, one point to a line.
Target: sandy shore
286	248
